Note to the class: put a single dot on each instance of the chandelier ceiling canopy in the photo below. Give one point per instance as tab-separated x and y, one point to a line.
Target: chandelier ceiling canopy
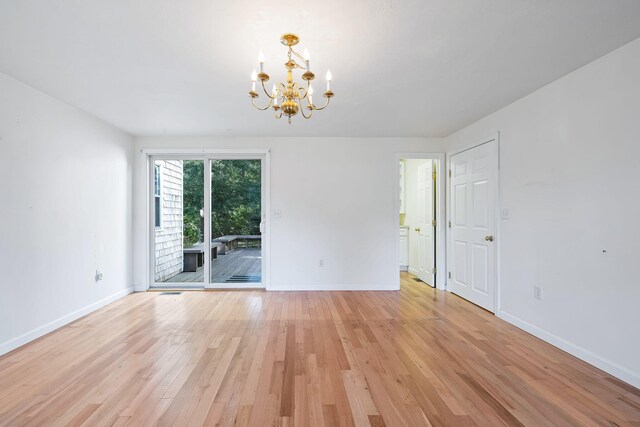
290	98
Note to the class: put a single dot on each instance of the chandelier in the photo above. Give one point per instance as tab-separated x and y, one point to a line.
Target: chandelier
288	98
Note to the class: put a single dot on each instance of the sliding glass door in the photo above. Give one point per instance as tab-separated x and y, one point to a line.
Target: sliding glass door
206	220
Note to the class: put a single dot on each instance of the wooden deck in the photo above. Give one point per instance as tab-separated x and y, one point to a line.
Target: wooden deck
233	267
415	357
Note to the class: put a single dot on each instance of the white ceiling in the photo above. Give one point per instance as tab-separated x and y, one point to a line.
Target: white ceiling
401	67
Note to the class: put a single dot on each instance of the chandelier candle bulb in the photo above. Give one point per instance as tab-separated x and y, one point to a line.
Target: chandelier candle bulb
311	95
254	77
306	56
328	77
261	61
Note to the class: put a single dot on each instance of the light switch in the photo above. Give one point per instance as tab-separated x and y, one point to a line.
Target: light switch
505	213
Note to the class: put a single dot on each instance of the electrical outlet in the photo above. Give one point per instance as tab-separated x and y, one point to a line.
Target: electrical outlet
537	292
99	275
277	214
321	263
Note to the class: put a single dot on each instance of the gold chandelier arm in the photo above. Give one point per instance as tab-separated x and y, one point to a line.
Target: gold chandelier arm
306	90
304	115
265	91
253	101
324	106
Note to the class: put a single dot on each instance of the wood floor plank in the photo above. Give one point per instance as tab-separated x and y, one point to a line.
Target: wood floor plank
416	357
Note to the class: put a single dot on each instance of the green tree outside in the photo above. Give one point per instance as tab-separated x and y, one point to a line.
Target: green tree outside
235	198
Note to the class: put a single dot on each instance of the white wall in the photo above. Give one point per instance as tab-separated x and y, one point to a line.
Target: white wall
65	184
337	198
570	173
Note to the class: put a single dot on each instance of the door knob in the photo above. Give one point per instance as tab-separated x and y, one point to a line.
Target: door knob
418	229
488	238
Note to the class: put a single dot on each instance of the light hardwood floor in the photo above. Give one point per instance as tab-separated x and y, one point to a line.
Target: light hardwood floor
416	357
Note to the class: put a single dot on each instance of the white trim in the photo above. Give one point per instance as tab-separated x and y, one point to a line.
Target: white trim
495	137
38	332
213	151
498	297
598	361
151	230
332	287
192	286
412	271
441	249
206	204
266	212
469	146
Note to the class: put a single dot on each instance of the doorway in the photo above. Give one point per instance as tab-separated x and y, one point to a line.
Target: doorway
419	208
207	221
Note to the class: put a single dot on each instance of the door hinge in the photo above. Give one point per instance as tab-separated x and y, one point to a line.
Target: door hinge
434	222
435	270
449	275
449	224
434	175
449	173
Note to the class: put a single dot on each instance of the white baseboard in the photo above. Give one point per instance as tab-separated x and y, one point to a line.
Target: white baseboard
600	362
333	287
140	288
23	339
412	271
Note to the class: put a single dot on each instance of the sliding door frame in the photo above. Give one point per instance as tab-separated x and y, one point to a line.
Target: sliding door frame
207	156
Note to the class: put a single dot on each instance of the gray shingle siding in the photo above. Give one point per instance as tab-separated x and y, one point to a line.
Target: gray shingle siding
168	240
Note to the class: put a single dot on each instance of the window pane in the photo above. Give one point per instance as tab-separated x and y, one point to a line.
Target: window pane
158	211
236	213
157	180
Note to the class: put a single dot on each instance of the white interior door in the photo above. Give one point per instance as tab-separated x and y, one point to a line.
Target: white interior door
474	184
425	228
